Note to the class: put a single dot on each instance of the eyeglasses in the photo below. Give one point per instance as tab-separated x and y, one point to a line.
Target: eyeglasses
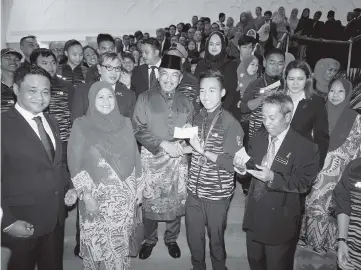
111	68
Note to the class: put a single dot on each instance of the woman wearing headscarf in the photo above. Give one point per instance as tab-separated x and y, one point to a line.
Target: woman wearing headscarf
325	71
105	168
293	21
320	226
246	22
281	21
229	29
300	30
216	58
232	48
347	198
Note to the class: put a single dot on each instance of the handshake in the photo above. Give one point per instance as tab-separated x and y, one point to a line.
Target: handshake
240	160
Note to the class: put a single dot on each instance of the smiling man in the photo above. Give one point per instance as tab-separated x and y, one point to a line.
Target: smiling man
157	112
283	165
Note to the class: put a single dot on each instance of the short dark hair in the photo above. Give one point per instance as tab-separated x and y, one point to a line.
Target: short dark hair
246	40
108	55
128	55
125	36
275	51
259	8
357	10
41	52
90	47
131	36
172	25
212	73
71	43
318	12
200	21
331	14
21	73
138	34
152	42
281	99
268	12
26	37
105	37
207	19
221	15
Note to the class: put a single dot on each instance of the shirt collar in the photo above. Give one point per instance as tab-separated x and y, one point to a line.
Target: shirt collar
302	96
211	115
26	114
156	65
280	137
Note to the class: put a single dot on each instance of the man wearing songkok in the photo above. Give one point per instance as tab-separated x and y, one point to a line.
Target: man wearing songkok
157	112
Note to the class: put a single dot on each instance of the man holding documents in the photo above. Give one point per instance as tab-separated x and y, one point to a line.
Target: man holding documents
211	177
283	165
157	112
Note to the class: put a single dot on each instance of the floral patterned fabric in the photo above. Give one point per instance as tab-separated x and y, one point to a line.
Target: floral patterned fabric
320	224
165	185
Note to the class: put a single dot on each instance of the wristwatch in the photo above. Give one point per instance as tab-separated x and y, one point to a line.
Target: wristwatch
341	240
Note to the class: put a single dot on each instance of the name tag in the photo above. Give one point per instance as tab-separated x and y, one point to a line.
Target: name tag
215	135
358	185
119	94
281	160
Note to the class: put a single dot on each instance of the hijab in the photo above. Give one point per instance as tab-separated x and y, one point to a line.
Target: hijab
110	134
244	79
340	117
215	61
303	21
293	20
320	69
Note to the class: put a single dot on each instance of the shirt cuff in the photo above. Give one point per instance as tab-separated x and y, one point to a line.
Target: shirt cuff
8	228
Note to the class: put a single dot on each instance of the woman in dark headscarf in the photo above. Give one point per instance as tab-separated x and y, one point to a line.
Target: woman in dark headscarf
300	30
216	58
325	71
105	168
320	225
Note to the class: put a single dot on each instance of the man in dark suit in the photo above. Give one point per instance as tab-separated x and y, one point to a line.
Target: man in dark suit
163	40
284	165
109	69
314	29
34	177
145	77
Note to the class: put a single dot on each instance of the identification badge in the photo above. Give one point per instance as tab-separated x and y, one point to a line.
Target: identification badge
202	161
281	160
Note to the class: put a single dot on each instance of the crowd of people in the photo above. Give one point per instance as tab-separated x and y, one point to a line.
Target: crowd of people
169	124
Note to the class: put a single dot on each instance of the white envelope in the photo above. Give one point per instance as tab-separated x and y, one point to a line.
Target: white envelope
185	133
270	87
242	154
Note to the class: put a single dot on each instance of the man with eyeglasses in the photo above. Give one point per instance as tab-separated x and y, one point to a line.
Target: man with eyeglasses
157	113
57	48
109	68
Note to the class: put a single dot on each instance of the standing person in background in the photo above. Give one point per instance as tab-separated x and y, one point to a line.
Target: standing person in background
293	22
163	40
282	24
259	20
200	25
106	43
172	30
198	38
194	21
245	22
128	65
35	183
73	70
57	47
233	48
126	43
229	29
157	112
10	62
211	175
216	58
145	76
221	19
301	30
27	45
314	30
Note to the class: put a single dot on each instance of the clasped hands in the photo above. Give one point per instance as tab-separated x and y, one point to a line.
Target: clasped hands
239	162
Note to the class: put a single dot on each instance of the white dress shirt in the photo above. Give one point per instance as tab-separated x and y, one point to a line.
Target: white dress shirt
29	117
279	141
297	101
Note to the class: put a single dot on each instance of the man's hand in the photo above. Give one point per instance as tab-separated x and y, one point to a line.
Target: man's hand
139	197
343	258
196	144
21	229
173	149
264	174
70	197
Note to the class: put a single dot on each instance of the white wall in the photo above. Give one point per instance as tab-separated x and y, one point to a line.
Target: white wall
66	19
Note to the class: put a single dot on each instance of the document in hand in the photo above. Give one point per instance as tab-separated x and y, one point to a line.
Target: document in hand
185	133
270	87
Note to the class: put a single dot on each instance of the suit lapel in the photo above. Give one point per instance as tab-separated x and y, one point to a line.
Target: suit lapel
145	75
300	110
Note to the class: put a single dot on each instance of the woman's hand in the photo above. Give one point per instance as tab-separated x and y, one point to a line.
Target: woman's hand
91	204
343	257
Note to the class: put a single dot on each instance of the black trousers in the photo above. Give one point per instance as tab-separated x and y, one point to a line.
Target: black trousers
267	257
151	230
201	213
44	251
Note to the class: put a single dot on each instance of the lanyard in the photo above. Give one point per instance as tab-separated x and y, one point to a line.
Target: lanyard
204	138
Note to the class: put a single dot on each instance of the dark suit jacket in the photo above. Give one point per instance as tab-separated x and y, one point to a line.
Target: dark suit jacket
140	80
314	30
275	218
125	99
166	46
311	117
33	187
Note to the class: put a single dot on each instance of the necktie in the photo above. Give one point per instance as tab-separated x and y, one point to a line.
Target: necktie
152	78
45	139
259	186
